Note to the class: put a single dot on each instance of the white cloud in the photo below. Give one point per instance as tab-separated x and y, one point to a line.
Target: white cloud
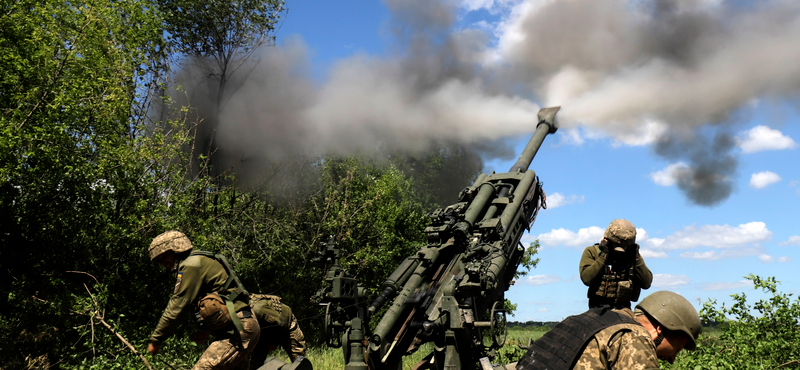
670	281
654	243
793	240
641	235
726	285
717	236
648	254
543	309
784	259
557	200
584	237
761	179
540	279
716	255
669	175
761	138
766	258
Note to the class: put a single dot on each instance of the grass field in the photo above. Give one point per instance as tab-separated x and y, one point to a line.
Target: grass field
324	358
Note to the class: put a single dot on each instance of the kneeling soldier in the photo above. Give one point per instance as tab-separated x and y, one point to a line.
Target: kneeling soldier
208	287
663	324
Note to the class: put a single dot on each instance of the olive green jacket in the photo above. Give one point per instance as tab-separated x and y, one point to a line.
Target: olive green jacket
197	277
591	271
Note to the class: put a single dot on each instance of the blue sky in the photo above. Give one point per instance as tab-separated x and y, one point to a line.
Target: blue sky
645	94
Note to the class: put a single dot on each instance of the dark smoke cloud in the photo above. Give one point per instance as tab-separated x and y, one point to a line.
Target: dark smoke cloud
708	179
638	70
685	63
631	70
430	90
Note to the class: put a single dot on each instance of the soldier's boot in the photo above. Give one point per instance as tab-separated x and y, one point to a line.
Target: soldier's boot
300	363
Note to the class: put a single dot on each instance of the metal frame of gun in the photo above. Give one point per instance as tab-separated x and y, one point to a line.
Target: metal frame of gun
451	292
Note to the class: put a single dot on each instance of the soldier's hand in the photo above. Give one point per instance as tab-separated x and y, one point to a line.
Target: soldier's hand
603	248
152	348
200	336
633	252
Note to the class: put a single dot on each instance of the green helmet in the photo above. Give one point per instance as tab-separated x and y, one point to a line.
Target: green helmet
172	240
674	313
621	232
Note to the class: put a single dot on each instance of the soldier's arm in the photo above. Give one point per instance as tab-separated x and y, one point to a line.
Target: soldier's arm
591	264
179	304
643	273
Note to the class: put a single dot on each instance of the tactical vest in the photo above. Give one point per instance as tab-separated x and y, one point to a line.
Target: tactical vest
615	286
227	294
560	348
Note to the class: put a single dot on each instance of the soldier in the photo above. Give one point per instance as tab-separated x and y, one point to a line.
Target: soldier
279	327
613	269
207	286
664	323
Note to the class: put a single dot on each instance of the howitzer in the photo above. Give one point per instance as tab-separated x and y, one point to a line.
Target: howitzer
451	292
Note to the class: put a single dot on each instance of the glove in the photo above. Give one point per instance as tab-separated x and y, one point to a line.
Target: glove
603	249
632	253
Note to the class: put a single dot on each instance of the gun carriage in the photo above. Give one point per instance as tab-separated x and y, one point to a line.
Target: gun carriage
451	292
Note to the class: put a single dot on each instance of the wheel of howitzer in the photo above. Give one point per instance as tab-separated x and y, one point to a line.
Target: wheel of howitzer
498	330
329	332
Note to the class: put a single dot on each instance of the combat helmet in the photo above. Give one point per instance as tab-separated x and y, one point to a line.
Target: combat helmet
621	232
171	240
674	313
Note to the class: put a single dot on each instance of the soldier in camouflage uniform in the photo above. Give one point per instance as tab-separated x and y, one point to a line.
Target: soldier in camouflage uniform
279	327
613	269
200	275
664	323
667	324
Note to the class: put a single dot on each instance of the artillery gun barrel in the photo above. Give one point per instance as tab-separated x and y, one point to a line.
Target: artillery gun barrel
471	255
546	125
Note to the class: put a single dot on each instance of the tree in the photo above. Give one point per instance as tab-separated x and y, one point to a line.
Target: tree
74	166
217	39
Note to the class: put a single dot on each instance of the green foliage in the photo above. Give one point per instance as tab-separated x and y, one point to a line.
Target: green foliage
762	335
440	173
220	29
527	262
75	170
88	178
215	40
517	343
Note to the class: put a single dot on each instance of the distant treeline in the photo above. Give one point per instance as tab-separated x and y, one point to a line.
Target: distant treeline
547	325
532	325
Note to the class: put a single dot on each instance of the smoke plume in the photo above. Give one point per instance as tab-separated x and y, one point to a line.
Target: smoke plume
640	72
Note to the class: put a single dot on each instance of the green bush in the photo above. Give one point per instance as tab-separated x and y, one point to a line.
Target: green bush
762	335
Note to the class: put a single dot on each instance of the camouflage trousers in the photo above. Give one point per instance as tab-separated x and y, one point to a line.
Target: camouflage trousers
233	352
297	342
293	343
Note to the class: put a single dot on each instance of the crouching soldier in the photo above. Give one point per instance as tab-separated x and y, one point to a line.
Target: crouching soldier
602	338
207	287
279	328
